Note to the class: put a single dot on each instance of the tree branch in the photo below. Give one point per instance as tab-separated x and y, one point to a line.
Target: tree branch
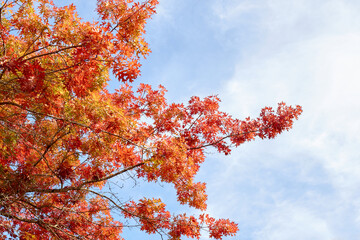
73	122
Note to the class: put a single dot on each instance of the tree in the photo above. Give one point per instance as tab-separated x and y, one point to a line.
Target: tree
64	136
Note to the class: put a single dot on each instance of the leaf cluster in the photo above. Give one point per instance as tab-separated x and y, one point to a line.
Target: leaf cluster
64	136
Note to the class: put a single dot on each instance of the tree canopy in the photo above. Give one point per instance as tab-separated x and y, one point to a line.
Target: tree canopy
64	135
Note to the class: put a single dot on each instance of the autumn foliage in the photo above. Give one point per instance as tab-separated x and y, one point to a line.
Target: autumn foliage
64	136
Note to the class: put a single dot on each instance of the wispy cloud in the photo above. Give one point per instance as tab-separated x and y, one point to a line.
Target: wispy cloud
305	184
288	221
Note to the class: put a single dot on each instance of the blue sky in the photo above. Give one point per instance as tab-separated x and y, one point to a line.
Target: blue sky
304	184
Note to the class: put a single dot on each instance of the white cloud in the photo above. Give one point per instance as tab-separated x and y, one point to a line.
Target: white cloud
288	221
308	53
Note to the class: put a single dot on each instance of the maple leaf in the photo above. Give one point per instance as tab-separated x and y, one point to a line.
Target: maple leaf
64	136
